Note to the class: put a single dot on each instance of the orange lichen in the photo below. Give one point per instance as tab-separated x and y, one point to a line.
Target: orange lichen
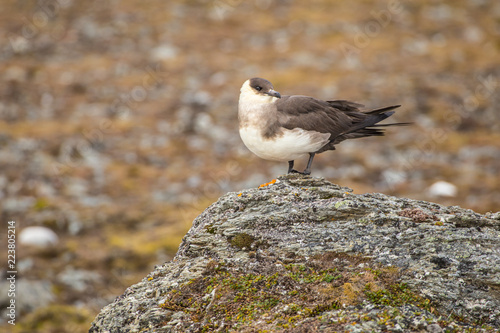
267	184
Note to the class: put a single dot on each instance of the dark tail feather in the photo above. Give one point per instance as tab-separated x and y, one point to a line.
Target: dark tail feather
370	121
369	126
393	124
364	132
382	110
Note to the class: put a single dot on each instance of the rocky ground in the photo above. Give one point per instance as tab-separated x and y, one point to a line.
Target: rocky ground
118	122
304	255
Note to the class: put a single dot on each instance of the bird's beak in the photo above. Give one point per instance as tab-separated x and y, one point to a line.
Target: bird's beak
273	93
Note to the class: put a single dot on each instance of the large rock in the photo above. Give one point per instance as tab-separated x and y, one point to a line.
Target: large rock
305	255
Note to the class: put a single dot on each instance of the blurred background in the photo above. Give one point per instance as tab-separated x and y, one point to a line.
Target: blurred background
118	123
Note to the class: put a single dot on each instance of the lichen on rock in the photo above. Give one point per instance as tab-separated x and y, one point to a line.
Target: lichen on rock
302	254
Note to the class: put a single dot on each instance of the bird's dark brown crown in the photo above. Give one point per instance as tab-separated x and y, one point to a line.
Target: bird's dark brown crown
260	84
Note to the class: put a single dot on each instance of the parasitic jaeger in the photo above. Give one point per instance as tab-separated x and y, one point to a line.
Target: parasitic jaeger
286	128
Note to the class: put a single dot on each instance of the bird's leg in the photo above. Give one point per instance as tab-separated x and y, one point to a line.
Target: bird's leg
307	171
291	169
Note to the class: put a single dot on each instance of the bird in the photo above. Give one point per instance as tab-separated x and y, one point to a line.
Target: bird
290	127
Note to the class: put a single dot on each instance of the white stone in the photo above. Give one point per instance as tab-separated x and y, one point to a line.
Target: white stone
38	236
442	189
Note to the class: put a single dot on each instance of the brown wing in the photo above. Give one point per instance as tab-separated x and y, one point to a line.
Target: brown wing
343	119
311	114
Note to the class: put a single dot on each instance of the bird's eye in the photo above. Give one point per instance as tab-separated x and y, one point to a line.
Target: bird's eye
258	88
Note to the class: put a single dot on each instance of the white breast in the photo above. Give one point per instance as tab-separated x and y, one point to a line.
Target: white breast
293	144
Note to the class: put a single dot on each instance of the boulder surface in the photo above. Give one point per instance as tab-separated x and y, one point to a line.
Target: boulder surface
301	254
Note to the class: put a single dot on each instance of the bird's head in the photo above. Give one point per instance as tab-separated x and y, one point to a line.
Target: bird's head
258	89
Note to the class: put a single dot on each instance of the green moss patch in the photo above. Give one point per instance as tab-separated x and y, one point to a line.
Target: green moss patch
271	295
242	241
397	294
